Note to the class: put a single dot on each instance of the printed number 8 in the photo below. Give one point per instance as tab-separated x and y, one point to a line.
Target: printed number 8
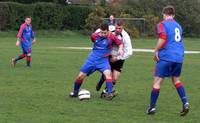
177	35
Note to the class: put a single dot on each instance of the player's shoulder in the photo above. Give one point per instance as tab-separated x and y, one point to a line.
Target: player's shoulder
124	33
94	36
23	25
160	23
111	35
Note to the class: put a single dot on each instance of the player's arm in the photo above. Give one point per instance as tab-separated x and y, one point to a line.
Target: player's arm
33	38
128	50
119	43
161	40
19	35
94	37
34	41
159	46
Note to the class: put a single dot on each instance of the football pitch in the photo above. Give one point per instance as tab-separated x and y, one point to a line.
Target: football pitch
38	94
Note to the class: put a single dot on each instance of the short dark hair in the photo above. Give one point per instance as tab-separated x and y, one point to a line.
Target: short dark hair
168	10
27	17
120	23
104	26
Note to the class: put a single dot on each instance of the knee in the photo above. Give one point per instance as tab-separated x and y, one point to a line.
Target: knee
79	78
115	78
176	80
28	54
107	76
156	84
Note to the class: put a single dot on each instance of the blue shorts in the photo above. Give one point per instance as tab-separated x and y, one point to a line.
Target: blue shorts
90	66
167	69
26	50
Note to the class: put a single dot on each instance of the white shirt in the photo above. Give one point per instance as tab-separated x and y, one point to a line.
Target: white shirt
127	46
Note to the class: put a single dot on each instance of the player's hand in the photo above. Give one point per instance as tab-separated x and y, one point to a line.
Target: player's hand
121	52
33	42
113	59
156	58
17	43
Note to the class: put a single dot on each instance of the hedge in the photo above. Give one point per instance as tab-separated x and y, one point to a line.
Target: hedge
44	15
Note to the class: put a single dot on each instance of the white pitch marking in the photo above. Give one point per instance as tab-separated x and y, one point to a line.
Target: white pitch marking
134	50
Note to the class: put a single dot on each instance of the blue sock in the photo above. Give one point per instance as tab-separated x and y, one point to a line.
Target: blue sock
181	91
109	85
154	97
77	85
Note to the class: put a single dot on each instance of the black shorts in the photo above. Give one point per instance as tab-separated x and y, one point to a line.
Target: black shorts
117	65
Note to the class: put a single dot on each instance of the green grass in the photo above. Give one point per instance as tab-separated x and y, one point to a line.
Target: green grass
38	95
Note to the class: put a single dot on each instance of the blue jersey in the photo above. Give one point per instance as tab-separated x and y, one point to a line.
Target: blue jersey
25	35
102	46
98	58
173	49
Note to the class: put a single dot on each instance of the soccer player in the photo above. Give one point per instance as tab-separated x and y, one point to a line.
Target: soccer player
169	55
98	60
25	38
117	60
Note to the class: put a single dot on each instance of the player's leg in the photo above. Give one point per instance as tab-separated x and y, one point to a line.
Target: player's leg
102	79
104	67
28	57
161	71
154	95
117	68
109	94
87	69
77	84
19	57
14	60
109	84
115	76
100	83
176	72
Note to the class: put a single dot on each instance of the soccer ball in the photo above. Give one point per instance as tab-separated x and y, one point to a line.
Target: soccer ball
84	94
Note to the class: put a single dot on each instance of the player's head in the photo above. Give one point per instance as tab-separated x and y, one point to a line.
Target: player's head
168	12
28	20
104	30
111	18
119	27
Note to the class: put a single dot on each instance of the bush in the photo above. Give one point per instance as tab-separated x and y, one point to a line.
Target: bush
94	19
44	15
151	25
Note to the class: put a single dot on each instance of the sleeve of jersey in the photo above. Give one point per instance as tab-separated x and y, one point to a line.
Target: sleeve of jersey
128	50
115	39
94	37
19	35
161	31
32	34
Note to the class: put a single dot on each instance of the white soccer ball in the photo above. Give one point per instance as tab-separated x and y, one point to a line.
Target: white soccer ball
84	94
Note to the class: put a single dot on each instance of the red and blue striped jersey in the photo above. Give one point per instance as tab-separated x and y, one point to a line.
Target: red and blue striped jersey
25	35
173	48
102	46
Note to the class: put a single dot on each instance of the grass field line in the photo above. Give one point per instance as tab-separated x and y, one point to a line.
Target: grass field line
134	50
